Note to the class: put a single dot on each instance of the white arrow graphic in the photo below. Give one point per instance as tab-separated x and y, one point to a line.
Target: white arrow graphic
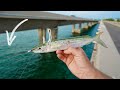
12	37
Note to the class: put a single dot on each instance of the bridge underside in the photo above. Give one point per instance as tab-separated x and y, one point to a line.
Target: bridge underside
41	21
10	23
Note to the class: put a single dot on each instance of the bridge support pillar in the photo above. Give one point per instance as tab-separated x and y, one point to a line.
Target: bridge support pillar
80	26
90	25
41	35
85	26
73	28
76	31
54	33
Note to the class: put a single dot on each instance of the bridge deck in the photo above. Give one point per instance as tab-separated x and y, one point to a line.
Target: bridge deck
38	15
37	19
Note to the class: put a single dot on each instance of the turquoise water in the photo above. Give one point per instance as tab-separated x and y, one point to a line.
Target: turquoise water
17	63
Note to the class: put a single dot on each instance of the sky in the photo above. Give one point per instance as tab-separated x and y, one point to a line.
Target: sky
91	14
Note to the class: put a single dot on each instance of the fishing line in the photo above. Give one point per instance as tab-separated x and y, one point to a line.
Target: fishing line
15	61
23	70
12	56
16	54
25	52
26	67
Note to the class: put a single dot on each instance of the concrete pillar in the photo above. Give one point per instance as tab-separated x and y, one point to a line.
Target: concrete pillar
73	28
54	33
41	33
76	30
87	23
85	26
44	34
90	24
82	25
79	27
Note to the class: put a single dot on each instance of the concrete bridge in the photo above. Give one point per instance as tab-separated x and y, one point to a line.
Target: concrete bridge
41	21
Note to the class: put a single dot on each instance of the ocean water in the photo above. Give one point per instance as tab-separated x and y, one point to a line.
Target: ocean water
17	63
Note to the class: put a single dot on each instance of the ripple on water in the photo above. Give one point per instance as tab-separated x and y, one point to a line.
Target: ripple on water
16	62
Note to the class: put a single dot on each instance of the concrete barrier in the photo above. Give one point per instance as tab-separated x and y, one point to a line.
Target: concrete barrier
106	60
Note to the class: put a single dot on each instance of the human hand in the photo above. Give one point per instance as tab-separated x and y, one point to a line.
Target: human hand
79	64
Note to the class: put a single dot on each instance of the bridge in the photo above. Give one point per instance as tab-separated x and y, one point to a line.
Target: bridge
41	20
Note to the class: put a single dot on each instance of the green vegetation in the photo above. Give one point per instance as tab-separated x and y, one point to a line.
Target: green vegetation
109	19
118	19
112	19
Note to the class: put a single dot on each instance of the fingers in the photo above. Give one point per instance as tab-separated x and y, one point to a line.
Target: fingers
74	51
68	54
59	51
61	57
67	60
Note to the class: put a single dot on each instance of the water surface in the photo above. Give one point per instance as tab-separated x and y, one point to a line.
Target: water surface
17	63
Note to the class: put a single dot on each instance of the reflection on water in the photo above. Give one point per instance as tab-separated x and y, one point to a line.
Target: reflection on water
16	62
